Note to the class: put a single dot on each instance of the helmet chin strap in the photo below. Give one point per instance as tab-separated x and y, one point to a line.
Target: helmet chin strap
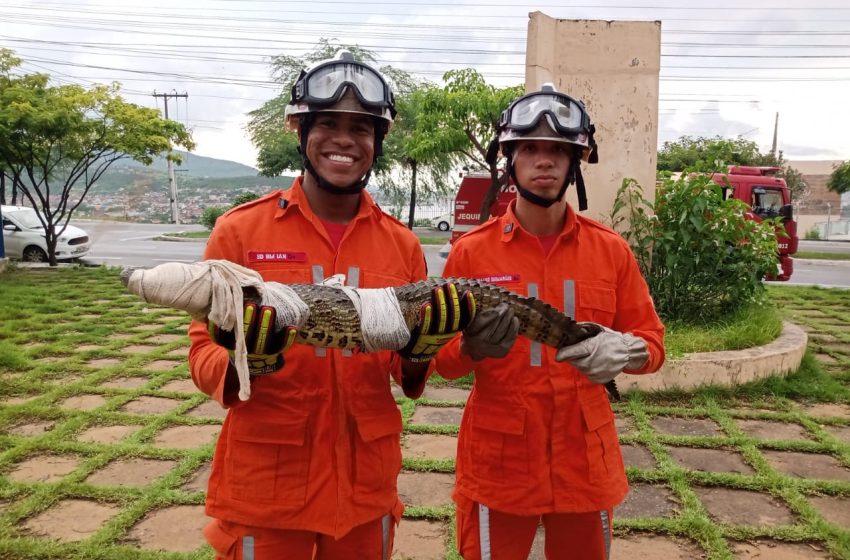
573	175
305	123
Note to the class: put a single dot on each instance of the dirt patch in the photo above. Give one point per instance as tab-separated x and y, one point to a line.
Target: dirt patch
775	550
186	437
647	500
130	472
429	446
31	429
106	434
126	383
763	429
445	394
744	507
677	426
426	489
208	409
710	460
807	465
162	365
172	529
637	456
180	386
83	402
828	410
653	547
437	415
71	520
199	481
100	363
166	338
419	540
44	468
139	349
151	405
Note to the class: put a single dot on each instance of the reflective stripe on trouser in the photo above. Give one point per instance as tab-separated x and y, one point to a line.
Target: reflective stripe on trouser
385	537
484	531
247	547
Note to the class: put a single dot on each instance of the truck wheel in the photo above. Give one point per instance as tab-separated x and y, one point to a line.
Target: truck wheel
443	226
34	253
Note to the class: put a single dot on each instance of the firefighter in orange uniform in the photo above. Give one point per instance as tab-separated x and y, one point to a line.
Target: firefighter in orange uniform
307	466
537	441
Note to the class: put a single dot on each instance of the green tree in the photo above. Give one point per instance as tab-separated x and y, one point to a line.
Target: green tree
56	141
461	119
839	180
714	154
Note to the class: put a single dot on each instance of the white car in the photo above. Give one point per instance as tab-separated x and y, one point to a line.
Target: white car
23	237
444	222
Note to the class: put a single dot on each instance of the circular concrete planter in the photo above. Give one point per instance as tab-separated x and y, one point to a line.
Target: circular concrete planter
726	368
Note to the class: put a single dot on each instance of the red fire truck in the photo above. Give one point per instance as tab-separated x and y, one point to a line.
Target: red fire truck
767	195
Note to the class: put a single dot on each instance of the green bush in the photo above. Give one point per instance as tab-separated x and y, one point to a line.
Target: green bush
701	257
813	233
210	215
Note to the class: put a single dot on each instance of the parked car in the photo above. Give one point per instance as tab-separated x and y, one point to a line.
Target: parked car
444	222
23	237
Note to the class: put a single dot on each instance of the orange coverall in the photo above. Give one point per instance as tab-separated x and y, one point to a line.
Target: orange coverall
537	436
317	446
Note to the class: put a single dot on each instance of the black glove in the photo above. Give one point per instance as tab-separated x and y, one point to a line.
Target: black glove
440	319
491	334
265	344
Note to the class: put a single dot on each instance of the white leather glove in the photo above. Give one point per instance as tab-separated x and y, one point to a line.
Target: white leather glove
604	356
491	334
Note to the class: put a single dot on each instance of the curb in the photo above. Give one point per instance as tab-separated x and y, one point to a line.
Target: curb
727	368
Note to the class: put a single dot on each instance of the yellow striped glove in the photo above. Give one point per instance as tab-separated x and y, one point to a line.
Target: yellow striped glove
265	345
440	319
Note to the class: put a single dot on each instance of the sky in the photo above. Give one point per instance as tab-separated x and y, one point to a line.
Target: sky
727	67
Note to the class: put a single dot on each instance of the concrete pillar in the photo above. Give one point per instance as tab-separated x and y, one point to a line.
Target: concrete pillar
613	67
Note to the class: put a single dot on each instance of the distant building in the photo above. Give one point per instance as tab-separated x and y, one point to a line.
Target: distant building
816	175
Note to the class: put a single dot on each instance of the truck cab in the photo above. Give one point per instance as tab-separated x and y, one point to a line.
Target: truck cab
470	196
768	196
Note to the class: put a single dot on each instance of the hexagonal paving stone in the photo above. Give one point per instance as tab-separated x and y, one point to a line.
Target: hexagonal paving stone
437	415
199	480
678	426
180	386
31	429
106	434
19	399
134	471
208	409
44	468
120	336
744	507
425	489
419	540
83	402
807	465
648	500
841	433
637	456
151	405
763	429
763	549
654	547
162	365
166	338
828	410
182	352
835	509
710	460
99	363
126	382
625	425
445	394
88	347
186	437
139	349
429	446
71	520
825	359
145	327
172	529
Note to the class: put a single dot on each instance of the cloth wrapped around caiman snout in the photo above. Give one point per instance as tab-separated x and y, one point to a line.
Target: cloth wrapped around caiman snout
330	314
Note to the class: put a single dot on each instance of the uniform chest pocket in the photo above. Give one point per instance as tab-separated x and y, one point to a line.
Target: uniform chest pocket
269	461
597	304
498	447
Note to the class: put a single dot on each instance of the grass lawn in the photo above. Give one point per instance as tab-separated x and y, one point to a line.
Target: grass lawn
78	354
821	255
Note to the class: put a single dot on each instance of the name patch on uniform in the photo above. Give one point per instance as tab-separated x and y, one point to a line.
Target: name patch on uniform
499	278
276	256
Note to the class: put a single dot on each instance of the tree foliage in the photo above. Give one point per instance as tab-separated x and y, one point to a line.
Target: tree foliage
714	154
461	119
839	180
56	141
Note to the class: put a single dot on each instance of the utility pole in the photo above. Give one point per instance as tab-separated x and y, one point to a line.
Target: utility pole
775	134
172	184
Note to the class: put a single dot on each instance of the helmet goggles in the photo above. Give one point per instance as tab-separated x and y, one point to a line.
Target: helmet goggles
567	115
325	84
